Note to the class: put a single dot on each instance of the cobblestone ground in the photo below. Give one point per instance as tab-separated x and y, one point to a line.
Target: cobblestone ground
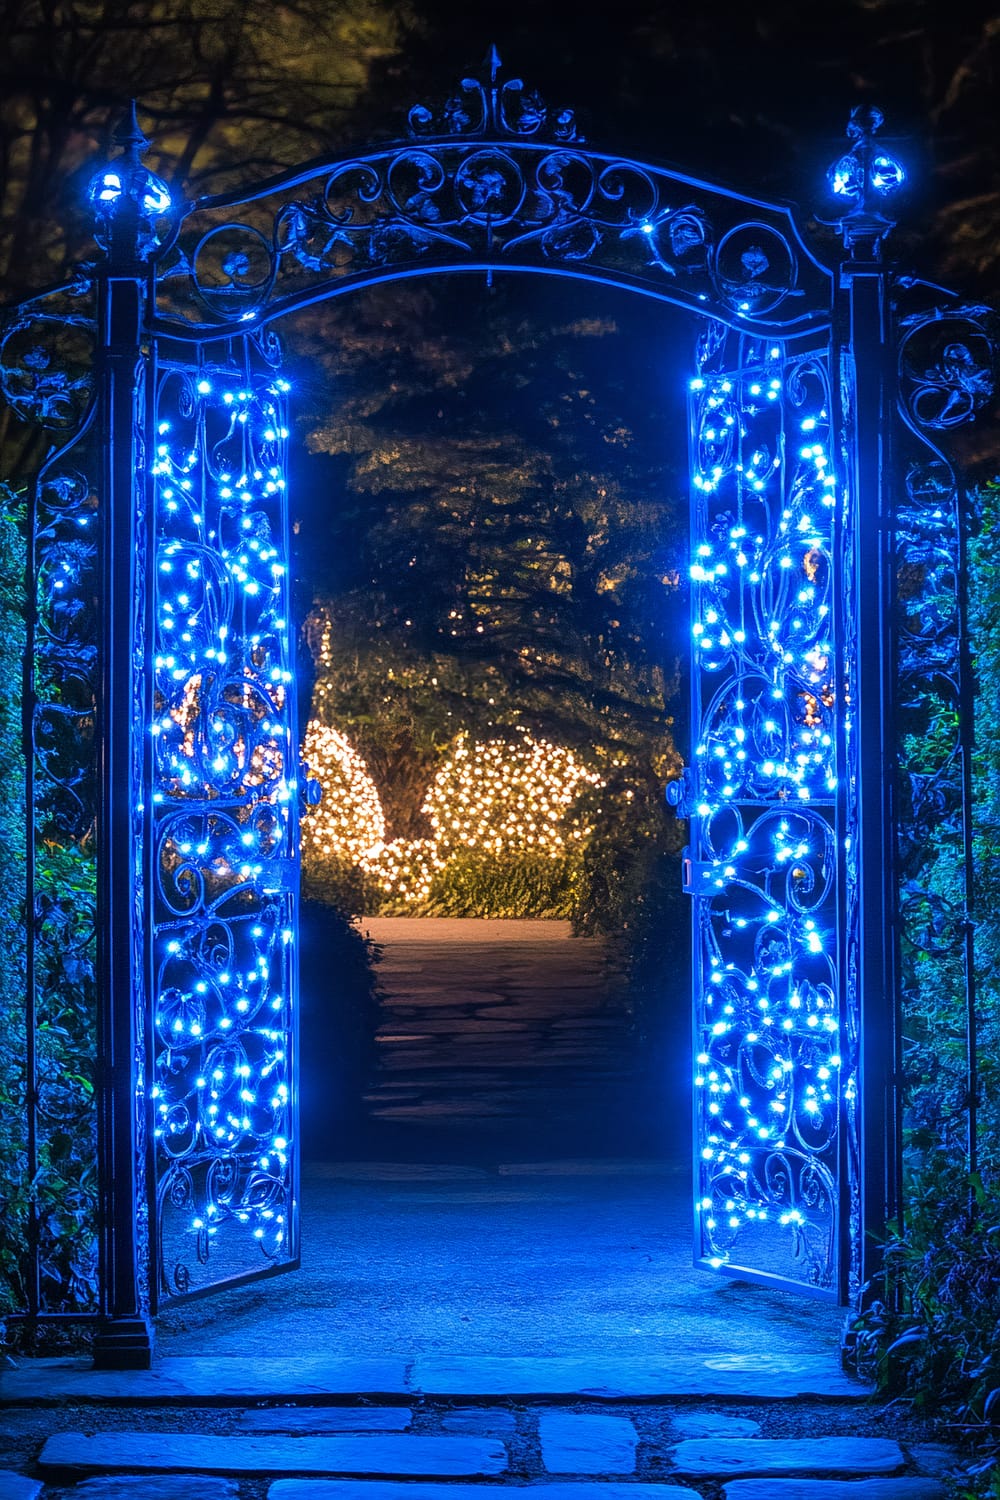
457	1451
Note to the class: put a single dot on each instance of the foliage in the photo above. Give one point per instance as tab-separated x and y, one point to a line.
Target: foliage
65	1187
13	1142
49	1207
506	551
506	795
630	892
506	547
984	629
228	91
933	1328
348	822
515	883
507	835
339	1004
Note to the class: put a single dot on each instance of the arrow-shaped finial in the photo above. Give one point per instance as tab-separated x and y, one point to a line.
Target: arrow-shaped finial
128	136
493	62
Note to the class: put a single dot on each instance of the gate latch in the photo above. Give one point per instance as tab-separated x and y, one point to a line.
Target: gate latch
705	877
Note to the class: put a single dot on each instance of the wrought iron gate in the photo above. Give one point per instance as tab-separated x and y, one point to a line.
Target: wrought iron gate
763	791
162	746
221	832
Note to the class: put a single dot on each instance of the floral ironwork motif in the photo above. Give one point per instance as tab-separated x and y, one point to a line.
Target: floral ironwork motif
494	107
223	823
763	794
494	180
47	357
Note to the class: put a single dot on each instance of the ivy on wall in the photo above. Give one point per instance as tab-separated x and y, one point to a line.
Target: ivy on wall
13	1133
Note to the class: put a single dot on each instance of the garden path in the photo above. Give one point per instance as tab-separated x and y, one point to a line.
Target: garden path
504	1032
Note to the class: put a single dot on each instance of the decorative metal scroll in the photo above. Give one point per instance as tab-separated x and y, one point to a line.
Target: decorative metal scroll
762	794
46	376
493	180
946	374
223	822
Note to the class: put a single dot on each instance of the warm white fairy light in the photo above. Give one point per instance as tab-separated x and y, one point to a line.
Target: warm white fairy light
499	795
349	823
404	867
492	796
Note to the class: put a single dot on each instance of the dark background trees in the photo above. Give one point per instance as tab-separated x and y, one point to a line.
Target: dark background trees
755	95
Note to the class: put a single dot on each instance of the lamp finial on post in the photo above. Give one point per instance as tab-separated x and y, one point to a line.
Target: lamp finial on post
128	200
863	182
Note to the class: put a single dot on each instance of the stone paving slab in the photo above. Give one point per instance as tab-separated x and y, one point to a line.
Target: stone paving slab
219	1379
482	1419
712	1424
762	1456
361	1489
14	1486
167	1452
682	1373
327	1419
833	1489
155	1487
587	1443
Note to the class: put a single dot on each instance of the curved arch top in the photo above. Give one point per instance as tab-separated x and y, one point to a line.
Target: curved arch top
493	182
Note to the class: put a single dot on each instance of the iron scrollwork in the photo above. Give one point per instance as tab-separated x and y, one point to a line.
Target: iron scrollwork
224	824
764	867
495	179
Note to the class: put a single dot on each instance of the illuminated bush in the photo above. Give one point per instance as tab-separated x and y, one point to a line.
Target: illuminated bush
404	868
497	796
507	835
348	824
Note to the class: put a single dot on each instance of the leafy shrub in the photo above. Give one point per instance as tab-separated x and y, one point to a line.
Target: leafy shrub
339	1006
932	1328
516	883
54	1215
630	892
14	1202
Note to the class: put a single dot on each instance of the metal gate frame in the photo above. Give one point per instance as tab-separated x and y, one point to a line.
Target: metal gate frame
498	182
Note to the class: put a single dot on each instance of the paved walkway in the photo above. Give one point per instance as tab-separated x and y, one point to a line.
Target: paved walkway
516	1259
436	1451
510	1032
557	1295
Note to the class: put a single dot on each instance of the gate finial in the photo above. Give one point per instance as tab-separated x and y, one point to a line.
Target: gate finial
863	182
127	198
128	135
493	62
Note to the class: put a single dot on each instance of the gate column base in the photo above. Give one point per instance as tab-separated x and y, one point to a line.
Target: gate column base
124	1344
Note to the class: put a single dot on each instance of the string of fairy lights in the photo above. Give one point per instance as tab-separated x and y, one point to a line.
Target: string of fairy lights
764	764
765	775
496	796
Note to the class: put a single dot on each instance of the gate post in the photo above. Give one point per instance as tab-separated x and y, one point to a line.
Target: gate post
126	199
866	177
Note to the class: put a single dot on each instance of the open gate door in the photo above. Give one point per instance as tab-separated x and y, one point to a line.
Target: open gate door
765	862
222	840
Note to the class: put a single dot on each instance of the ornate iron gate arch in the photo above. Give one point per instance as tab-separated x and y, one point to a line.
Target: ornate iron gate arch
815	488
